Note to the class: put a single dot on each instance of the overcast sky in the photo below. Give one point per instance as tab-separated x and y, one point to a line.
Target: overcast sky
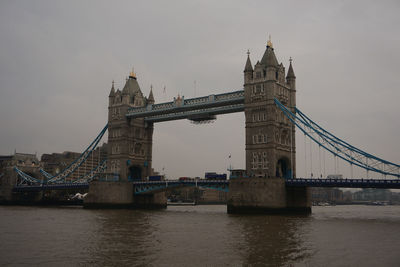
58	58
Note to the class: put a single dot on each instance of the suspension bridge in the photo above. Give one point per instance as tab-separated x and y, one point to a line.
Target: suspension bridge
269	180
321	137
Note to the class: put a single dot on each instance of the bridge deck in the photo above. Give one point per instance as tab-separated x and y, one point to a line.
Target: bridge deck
37	188
148	186
346	183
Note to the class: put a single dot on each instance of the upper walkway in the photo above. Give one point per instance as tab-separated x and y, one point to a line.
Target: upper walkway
193	108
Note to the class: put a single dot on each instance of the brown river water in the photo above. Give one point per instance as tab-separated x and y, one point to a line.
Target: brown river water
198	236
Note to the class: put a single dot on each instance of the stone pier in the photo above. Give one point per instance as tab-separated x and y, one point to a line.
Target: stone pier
121	195
266	195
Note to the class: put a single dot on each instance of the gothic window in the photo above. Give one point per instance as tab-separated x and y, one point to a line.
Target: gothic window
253	164
115	149
255	160
138	147
254	117
265	163
117	166
264	116
258	74
254	139
259	138
112	166
265	138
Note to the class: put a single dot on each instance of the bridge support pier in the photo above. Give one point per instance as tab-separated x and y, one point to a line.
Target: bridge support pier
121	195
267	196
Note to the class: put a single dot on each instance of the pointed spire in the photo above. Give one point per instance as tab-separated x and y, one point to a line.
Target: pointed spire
248	67
290	73
269	58
150	100
112	92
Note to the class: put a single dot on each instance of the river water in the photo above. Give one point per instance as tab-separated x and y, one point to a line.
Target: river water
199	236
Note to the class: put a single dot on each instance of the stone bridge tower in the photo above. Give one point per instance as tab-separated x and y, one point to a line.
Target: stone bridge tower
270	143
270	137
129	140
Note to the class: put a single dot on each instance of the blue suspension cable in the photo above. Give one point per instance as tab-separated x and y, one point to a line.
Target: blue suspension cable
333	141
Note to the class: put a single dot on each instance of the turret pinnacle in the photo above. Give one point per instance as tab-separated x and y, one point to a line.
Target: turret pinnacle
150	100
290	73
248	66
112	92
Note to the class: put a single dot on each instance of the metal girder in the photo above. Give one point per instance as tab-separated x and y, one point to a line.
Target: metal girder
223	185
346	183
38	188
154	186
182	108
196	114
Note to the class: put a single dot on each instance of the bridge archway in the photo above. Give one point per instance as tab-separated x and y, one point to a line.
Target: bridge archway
283	168
135	172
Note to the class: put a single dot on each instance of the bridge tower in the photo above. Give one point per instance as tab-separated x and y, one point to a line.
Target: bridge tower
129	152
129	140
270	142
270	137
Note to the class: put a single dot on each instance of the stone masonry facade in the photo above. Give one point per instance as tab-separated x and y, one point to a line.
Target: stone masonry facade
270	137
129	140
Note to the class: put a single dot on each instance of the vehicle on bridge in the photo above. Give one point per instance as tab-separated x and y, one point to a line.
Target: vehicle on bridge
214	176
156	178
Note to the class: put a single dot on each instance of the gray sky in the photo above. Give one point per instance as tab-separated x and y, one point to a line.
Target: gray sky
58	58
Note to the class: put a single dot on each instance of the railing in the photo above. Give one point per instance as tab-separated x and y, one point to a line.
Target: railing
107	177
153	186
198	112
346	183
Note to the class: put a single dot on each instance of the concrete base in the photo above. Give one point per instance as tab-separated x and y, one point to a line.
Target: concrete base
121	195
267	196
6	194
150	201
9	197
